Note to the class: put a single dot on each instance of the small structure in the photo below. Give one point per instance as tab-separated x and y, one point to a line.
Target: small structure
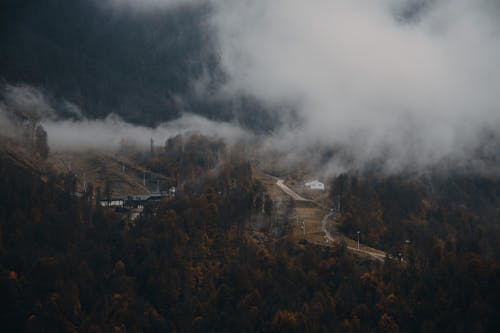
140	198
171	191
315	185
137	200
113	202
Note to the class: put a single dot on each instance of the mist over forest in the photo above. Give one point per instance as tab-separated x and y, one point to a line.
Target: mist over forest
249	166
409	84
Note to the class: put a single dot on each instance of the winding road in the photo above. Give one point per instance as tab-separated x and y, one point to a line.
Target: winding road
363	249
324	222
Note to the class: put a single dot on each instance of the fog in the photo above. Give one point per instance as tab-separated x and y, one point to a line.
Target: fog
69	130
112	132
408	84
408	90
404	84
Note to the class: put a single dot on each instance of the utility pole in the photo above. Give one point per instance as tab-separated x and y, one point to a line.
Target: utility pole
358	238
406	250
144	178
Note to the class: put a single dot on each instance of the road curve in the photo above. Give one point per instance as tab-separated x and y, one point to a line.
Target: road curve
324	221
379	255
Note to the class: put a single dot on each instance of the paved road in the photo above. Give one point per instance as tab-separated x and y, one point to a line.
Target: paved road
289	191
324	221
376	254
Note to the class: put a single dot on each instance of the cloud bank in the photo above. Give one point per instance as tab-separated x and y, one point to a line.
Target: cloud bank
112	132
406	84
408	90
69	130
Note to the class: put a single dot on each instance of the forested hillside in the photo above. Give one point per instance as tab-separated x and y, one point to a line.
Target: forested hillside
442	216
155	157
194	264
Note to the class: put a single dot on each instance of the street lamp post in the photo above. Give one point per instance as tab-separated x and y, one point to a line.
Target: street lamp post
405	249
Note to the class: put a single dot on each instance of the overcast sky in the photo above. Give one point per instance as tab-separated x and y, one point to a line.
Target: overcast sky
409	81
415	80
372	75
148	5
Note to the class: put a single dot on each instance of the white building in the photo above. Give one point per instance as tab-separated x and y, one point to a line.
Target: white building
112	203
315	185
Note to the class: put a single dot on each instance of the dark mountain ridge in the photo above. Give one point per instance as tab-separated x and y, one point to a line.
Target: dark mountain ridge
92	57
141	69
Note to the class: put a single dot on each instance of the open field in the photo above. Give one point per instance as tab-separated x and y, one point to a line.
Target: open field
124	176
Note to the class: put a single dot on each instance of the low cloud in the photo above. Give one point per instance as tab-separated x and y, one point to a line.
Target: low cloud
405	83
69	130
26	101
112	132
401	84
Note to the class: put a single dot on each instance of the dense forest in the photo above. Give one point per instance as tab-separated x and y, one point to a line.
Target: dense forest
458	212
217	247
194	263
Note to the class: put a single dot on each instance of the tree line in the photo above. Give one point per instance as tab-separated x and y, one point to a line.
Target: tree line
192	264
